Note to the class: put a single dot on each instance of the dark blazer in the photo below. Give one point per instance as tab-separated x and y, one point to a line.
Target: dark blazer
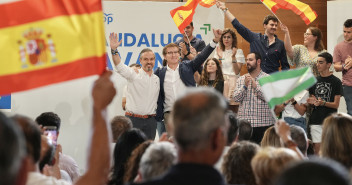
187	69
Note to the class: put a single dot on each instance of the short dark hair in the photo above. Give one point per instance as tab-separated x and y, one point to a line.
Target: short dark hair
257	55
245	130
233	129
268	18
12	150
49	119
327	57
119	125
348	23
32	135
314	171
191	23
144	51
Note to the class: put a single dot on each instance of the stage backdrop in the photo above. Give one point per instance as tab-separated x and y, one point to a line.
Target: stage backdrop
139	25
338	13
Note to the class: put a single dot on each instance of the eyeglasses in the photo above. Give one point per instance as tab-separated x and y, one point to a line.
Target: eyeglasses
307	34
172	52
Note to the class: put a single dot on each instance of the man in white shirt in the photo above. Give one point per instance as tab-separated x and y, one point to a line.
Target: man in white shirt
142	88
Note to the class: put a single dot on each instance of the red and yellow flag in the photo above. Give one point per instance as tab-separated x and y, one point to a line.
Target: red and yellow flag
307	14
271	5
183	15
49	41
207	3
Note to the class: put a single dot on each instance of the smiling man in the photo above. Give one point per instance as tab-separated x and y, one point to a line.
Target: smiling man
269	46
142	88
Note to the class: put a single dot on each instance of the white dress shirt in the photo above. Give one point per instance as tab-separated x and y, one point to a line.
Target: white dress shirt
173	87
290	110
36	178
142	90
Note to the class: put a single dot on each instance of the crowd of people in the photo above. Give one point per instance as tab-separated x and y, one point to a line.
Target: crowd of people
189	102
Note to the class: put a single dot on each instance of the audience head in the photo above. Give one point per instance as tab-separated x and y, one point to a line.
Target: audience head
119	125
126	143
317	35
133	162
299	136
245	130
230	35
189	30
253	61
269	162
49	119
314	171
32	136
12	153
270	138
236	166
347	30
211	66
336	140
200	110
233	129
327	56
270	24
157	159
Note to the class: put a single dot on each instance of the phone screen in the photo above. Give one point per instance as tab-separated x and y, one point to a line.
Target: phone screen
51	134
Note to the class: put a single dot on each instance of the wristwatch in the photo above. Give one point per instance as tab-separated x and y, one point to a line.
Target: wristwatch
294	103
187	53
114	52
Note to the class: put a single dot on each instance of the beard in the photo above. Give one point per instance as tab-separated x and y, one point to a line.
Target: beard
251	68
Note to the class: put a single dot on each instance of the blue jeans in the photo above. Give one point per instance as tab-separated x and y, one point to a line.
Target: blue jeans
347	94
301	122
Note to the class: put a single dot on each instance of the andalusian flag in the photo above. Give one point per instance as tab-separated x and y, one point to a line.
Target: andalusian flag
271	5
183	15
283	85
307	14
49	41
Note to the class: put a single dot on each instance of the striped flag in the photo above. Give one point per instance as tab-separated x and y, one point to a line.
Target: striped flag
207	3
281	86
49	41
271	5
307	14
183	15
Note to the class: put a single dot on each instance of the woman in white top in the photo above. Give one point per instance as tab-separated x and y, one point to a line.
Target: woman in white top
231	58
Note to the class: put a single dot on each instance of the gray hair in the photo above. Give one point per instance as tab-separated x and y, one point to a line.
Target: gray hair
196	114
157	159
300	137
12	150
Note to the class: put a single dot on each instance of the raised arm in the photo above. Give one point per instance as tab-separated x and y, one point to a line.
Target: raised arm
287	41
99	152
114	44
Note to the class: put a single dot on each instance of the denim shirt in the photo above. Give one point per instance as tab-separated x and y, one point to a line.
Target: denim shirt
271	55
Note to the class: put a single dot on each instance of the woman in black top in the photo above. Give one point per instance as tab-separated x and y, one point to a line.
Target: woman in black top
212	76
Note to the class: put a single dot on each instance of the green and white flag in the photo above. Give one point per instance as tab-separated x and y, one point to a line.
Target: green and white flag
281	86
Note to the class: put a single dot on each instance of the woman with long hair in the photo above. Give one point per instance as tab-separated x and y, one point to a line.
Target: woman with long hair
306	54
231	59
212	76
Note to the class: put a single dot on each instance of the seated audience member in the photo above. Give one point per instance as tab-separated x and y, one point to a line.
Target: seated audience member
67	163
212	76
119	125
244	130
313	172
270	138
98	160
133	162
231	137
299	136
13	160
202	111
126	143
337	139
269	162
237	163
156	161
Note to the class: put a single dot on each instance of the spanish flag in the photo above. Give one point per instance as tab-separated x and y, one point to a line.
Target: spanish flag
207	3
183	15
307	14
49	41
271	5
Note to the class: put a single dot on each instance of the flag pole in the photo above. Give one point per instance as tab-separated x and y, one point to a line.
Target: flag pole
189	42
271	11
